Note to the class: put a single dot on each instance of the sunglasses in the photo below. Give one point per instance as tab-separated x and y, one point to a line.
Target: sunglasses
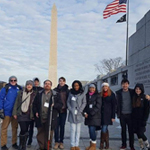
13	80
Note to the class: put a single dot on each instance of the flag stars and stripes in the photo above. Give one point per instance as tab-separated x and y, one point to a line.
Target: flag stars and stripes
117	6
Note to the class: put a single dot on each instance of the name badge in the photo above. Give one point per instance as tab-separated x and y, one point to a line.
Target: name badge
90	106
73	99
75	112
46	104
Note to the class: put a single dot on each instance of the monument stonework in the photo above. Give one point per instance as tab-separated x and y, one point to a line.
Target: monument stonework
139	54
138	68
53	47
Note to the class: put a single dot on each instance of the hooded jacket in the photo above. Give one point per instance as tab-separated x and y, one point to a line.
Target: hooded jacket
140	112
7	100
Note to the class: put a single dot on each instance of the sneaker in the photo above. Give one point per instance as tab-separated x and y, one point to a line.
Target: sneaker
15	146
61	146
56	145
122	147
4	147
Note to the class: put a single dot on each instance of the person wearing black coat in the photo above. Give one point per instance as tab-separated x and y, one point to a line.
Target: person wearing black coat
140	113
92	113
36	89
63	91
108	113
41	109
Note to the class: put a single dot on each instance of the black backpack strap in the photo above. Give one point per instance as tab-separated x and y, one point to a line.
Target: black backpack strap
6	88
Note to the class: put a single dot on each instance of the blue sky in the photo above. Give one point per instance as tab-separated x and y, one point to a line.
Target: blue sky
84	37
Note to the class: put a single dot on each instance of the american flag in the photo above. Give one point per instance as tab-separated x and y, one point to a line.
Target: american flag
117	6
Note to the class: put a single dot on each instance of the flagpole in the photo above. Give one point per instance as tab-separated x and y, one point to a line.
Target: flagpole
127	34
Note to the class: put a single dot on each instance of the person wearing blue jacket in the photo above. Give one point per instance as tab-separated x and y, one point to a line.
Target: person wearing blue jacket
8	96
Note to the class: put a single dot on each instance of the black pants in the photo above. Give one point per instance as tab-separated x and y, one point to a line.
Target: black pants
139	128
60	129
141	135
126	121
31	131
24	126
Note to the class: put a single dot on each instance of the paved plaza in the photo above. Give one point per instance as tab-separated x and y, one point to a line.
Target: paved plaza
115	137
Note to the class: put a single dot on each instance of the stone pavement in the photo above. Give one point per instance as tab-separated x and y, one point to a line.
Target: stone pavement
115	137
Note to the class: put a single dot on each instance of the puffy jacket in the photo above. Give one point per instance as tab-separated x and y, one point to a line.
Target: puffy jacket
7	100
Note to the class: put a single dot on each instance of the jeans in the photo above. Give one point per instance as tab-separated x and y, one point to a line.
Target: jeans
24	126
60	129
75	134
126	120
92	132
31	131
104	128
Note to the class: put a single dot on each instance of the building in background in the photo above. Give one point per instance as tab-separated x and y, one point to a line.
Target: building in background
138	69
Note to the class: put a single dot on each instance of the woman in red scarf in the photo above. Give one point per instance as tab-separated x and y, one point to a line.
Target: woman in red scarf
107	113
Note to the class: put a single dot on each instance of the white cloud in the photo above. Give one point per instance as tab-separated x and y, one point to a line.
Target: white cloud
84	37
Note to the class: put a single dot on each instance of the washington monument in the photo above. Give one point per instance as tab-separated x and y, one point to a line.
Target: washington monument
53	47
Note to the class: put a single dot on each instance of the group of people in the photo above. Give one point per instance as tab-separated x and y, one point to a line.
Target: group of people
47	108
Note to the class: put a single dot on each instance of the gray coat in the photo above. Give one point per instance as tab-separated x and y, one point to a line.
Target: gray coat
79	103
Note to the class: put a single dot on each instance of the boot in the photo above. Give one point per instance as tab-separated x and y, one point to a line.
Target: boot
93	146
72	148
107	140
61	146
147	145
21	139
102	141
141	144
77	148
56	145
25	141
87	148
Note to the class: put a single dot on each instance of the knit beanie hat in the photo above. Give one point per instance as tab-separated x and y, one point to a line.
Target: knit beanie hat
12	77
105	84
92	85
29	82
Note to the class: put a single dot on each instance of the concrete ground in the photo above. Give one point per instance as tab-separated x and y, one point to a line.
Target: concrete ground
114	131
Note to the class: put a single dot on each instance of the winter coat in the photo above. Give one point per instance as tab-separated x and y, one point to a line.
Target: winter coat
119	100
7	100
18	103
64	93
93	109
37	108
108	109
76	102
37	89
140	115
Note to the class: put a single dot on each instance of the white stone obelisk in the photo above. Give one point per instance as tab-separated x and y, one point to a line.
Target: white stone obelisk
53	47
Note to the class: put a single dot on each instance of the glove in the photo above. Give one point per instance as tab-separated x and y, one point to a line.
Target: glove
2	114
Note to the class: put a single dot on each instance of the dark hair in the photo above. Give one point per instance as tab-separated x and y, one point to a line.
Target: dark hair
48	81
73	91
36	79
62	78
125	81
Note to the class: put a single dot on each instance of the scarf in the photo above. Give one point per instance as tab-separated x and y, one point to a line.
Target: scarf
91	93
74	92
105	94
26	103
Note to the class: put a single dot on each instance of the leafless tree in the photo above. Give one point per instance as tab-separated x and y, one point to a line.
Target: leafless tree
109	65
